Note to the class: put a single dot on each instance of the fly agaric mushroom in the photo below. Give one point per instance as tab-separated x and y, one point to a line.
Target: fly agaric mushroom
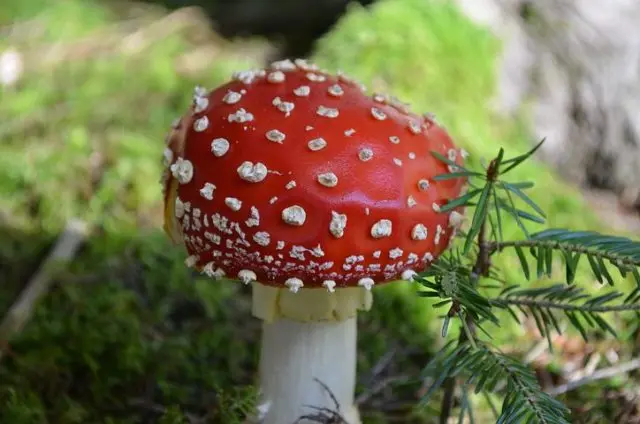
295	180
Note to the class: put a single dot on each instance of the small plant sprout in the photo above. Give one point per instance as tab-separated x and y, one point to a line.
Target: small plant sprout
292	186
463	281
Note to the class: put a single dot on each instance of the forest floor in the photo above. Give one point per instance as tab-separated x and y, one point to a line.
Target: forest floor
125	333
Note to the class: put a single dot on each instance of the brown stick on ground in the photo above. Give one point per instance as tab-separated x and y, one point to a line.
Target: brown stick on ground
65	249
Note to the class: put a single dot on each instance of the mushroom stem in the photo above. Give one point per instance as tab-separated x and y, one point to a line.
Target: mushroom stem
301	362
308	353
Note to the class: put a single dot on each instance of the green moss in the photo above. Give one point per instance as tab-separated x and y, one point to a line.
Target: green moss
128	335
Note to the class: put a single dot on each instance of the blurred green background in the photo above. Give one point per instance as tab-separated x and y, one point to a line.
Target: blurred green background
127	334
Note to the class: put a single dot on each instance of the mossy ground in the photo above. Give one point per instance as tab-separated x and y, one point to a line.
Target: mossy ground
128	334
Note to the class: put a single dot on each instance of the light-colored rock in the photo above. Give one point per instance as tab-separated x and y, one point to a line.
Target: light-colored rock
577	64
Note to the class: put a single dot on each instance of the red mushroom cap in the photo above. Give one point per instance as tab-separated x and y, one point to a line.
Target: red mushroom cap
293	176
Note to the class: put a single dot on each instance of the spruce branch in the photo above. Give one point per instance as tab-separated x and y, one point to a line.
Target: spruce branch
454	283
475	305
541	304
455	279
545	303
451	280
617	250
620	252
487	370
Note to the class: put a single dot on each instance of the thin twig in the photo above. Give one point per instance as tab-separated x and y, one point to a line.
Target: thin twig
324	415
601	374
480	268
64	250
380	386
447	400
380	366
450	383
373	378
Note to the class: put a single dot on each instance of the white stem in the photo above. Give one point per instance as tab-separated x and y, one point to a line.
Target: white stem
293	355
